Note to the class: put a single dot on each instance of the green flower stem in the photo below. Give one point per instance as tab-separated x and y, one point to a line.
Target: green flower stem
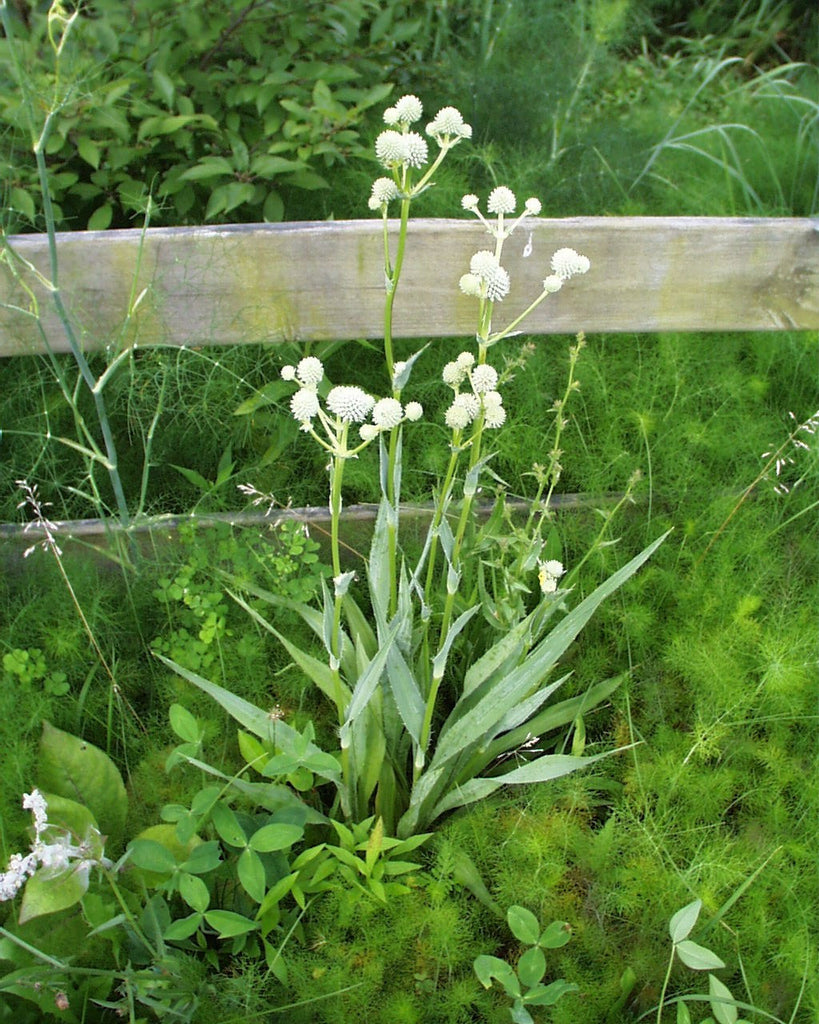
393	274
126	910
337	475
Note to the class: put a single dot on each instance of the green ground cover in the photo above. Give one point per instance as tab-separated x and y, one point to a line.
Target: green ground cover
605	108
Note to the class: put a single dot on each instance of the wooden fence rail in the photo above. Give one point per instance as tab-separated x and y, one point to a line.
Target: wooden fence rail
315	281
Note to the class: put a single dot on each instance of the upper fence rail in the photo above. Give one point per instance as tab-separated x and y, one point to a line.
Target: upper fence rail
254	283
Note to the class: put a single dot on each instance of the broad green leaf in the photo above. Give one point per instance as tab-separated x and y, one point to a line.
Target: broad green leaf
698	958
194	892
195	478
89	151
682	923
723	1004
367	683
101	218
488	968
46	893
520	1015
74	768
22	202
523	925
406	693
183	928
555	935
152	856
227	825
683	1016
277	836
548	995
228	924
268	394
439	661
251	874
184	724
165	835
67	814
203	857
531	967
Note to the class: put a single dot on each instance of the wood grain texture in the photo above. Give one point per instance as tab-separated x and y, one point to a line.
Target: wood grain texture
299	281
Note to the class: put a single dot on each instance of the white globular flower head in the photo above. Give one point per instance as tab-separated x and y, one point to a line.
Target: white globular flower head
492	400
387	413
497	285
532	206
470	284
465	359
310	372
368	431
304	405
349	403
469	403
449	124
389	148
567	262
456	417
552	283
288	372
501	200
494	416
484	378
415	150
483	262
413	411
469	202
408	109
384	191
454	374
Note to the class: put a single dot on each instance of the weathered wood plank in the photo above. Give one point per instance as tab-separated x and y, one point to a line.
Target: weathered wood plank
300	281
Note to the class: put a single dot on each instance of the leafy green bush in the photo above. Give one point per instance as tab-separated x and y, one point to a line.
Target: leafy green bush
222	112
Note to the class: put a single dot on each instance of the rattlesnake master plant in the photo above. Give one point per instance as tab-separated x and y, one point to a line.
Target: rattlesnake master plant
429	704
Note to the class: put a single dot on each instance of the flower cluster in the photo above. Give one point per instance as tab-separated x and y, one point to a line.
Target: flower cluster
548	575
566	263
482	398
346	404
55	856
486	279
502	202
399	148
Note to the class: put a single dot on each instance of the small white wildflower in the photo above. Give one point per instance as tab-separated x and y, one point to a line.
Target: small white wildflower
389	148
415	150
456	417
465	359
36	803
449	123
304	405
408	109
454	374
310	372
552	283
470	284
501	200
567	262
368	431
492	400
413	411
484	378
288	372
469	202
548	575
494	416
349	403
387	413
19	870
532	206
373	204
384	190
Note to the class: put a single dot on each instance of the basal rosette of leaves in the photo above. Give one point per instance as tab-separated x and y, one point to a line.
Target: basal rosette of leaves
430	715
